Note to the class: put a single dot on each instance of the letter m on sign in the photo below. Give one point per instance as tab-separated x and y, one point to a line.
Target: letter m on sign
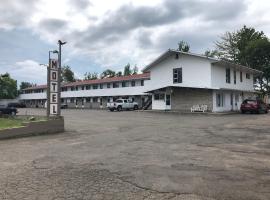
54	64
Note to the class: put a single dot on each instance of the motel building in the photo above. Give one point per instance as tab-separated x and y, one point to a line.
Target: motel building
173	81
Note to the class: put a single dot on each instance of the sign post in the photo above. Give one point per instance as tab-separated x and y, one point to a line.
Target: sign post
53	88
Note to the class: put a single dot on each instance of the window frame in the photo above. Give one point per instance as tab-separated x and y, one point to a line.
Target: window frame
178	75
228	75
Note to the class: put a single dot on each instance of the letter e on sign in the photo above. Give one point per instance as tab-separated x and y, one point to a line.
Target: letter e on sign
53	97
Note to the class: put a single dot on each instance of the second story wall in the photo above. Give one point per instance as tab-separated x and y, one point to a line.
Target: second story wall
196	72
236	82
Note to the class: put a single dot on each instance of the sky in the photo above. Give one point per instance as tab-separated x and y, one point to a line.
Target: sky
104	34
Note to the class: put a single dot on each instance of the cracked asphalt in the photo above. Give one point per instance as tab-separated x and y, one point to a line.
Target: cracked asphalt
141	155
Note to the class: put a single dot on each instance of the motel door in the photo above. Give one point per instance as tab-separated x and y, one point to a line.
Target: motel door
168	101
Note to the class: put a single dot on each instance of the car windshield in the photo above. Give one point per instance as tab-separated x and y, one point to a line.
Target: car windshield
118	101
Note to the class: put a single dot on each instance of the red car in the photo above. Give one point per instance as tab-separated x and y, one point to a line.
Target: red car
254	106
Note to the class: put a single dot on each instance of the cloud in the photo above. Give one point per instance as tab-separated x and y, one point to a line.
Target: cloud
102	34
27	70
52	24
14	13
80	4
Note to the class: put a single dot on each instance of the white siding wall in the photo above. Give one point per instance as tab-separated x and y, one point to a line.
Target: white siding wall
196	72
219	79
34	96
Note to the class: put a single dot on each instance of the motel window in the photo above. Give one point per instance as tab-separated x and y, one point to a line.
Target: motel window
95	99
132	83
108	85
228	75
241	76
142	82
72	88
76	101
88	99
177	75
72	100
101	86
115	85
219	100
88	87
124	84
95	87
234	76
159	97
77	88
83	87
247	76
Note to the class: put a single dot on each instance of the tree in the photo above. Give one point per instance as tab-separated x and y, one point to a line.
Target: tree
67	74
8	87
135	70
127	70
211	53
232	45
119	74
257	55
183	46
107	74
90	76
24	85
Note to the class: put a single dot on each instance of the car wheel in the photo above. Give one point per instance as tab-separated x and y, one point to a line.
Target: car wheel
135	107
119	108
111	109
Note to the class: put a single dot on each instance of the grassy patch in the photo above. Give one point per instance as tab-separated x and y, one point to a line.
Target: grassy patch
10	123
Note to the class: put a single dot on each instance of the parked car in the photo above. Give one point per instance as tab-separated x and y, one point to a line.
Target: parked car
254	106
64	106
6	110
122	104
17	105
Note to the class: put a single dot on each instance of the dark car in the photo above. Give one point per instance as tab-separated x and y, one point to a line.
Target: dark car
17	105
6	110
254	106
64	106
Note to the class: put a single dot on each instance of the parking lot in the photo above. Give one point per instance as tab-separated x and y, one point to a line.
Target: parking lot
141	155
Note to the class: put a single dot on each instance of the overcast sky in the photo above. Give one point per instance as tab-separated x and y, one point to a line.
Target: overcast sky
109	34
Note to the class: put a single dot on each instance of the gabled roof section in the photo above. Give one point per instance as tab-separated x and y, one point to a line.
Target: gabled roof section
98	81
212	60
170	52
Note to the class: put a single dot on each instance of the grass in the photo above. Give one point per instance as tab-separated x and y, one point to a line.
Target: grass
10	123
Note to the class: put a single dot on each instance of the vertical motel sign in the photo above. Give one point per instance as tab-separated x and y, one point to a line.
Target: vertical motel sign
53	91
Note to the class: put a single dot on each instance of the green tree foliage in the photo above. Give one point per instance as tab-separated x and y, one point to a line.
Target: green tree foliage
119	74
8	87
24	85
135	70
67	74
183	46
127	70
90	76
232	45
257	55
211	53
108	73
